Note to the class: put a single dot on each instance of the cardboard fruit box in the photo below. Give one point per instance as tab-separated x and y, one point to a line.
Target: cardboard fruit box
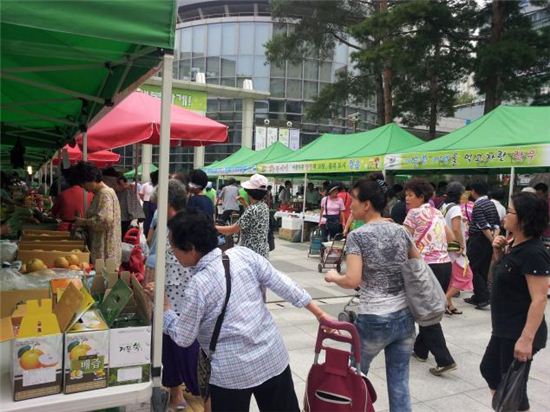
62	244
49	256
37	348
44	234
130	339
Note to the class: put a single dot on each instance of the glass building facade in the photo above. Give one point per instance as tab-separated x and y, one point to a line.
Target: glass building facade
225	40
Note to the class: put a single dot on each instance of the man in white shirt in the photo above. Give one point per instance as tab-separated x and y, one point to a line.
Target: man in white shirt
145	193
497	196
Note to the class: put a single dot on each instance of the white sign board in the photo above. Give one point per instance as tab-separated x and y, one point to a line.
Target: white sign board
261	137
283	136
294	139
272	134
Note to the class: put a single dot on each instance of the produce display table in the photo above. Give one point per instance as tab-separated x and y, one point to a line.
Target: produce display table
309	217
78	402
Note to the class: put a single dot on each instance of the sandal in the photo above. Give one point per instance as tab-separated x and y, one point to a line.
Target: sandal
452	311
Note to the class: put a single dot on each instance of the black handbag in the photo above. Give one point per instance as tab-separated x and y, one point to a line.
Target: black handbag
509	393
204	368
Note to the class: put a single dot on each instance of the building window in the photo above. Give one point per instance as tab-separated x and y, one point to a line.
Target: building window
228	66
294	89
310	90
245	66
214	40
246	38
229	39
277	87
199	41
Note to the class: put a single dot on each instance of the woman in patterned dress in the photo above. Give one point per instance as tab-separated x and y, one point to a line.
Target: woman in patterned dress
254	222
103	217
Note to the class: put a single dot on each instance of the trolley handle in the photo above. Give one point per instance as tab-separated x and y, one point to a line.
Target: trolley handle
353	340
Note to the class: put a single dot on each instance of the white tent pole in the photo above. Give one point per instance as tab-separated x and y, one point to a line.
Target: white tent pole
162	199
85	158
512	183
304	207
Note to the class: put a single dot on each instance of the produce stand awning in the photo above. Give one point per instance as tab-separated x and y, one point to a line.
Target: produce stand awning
103	158
337	153
506	137
239	156
63	63
248	165
137	120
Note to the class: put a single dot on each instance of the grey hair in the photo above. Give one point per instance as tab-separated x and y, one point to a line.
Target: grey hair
177	195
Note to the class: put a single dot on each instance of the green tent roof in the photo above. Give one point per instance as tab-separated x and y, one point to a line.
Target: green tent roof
275	151
386	139
62	62
246	164
239	156
506	137
504	126
131	173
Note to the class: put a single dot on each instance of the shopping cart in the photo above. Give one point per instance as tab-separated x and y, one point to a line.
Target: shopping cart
332	253
315	243
335	385
349	313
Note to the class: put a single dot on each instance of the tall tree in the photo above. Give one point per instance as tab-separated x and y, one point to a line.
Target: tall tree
512	58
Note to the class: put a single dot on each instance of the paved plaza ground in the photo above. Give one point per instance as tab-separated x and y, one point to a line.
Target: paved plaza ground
463	390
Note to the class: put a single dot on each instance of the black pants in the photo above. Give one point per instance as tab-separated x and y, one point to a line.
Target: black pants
226	216
149	210
480	252
331	228
276	394
495	363
431	338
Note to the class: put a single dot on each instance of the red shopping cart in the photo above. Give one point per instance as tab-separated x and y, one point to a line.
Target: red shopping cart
335	385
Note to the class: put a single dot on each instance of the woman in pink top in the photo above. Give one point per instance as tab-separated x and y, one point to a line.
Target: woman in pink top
430	233
332	219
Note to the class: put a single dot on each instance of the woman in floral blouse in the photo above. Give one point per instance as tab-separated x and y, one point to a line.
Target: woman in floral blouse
103	217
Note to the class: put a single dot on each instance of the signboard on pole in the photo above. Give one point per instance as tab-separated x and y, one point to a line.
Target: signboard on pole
272	135
283	136
261	137
294	139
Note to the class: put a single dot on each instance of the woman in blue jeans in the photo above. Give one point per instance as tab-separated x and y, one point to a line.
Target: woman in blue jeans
375	252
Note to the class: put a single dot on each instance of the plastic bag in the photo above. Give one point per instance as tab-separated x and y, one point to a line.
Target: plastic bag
509	393
8	251
11	279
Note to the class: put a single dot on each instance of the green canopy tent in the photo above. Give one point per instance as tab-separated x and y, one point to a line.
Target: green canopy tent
343	153
502	138
132	173
506	138
248	165
239	156
65	63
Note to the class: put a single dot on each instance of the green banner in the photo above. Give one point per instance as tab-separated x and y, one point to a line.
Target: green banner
188	99
513	156
359	164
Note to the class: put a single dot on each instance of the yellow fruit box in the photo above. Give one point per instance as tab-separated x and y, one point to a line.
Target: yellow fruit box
86	341
48	257
37	348
45	234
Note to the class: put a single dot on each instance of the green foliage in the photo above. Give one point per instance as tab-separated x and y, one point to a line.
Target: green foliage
429	47
513	62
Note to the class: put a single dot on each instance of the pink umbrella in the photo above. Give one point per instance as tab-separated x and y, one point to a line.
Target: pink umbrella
136	119
103	158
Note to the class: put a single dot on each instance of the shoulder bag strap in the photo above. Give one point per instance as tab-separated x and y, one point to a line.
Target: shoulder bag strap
219	321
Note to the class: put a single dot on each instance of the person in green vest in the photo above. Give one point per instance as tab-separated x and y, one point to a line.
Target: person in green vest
210	193
243	198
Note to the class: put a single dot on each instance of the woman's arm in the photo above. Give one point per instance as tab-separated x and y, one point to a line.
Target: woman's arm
456	224
316	310
322	213
538	287
352	278
449	233
228	230
348	225
342	218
